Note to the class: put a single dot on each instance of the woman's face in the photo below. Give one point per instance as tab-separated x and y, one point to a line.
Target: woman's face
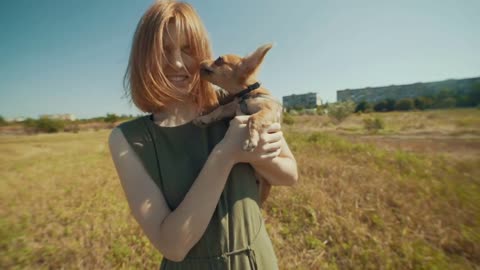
180	65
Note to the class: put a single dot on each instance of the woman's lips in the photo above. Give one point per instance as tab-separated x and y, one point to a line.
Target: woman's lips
177	78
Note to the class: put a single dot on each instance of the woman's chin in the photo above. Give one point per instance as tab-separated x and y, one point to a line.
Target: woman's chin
184	87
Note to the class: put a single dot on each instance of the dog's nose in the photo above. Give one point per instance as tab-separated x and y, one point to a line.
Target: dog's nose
204	70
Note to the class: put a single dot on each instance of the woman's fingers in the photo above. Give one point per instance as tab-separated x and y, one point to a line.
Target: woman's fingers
270	155
271	137
275	127
269	145
272	147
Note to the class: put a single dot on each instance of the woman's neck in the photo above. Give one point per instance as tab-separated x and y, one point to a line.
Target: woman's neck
176	114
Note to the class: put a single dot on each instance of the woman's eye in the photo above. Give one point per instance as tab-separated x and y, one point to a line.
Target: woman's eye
186	49
219	61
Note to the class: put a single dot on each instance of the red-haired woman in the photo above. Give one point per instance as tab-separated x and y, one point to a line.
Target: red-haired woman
192	190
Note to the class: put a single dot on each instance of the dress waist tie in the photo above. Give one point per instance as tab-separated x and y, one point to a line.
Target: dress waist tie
248	250
250	253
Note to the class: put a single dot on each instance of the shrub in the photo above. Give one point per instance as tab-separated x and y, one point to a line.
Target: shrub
298	107
373	124
423	103
74	127
293	112
463	101
310	111
43	125
444	93
2	121
363	106
322	109
474	95
380	106
390	105
387	105
405	104
288	119
111	118
341	110
448	102
50	125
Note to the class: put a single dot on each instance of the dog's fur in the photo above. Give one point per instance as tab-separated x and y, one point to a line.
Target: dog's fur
233	74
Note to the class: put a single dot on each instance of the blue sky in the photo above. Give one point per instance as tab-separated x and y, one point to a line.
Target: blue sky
69	56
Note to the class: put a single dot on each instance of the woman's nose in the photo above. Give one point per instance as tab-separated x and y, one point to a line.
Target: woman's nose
177	60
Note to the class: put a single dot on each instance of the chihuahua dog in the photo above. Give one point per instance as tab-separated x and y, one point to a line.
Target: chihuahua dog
237	76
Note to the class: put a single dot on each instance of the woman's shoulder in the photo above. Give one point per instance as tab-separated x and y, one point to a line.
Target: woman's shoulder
128	140
115	139
128	132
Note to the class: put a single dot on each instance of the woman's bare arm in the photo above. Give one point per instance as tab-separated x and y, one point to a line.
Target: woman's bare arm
272	157
175	232
280	170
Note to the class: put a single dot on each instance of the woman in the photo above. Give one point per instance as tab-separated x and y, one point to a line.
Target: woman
192	190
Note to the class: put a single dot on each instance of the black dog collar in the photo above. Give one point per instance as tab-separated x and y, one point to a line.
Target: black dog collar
241	94
247	90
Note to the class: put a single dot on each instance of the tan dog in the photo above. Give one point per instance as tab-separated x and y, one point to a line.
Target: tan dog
237	76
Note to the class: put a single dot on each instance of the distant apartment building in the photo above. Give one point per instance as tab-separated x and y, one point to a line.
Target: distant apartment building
396	92
306	101
66	116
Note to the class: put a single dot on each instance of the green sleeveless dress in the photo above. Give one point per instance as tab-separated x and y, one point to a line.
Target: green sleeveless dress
236	237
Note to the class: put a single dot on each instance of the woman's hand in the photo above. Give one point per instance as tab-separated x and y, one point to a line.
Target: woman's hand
268	147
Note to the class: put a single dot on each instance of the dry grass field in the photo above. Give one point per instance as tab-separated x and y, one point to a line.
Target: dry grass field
404	197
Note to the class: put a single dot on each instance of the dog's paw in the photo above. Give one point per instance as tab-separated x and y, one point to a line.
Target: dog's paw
249	145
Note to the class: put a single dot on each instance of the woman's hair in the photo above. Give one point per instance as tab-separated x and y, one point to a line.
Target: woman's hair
144	81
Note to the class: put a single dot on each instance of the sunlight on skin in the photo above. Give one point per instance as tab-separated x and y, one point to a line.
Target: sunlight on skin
189	235
123	153
145	208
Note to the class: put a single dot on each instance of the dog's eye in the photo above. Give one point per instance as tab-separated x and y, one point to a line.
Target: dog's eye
219	61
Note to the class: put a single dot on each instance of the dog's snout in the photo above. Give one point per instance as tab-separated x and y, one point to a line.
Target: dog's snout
205	69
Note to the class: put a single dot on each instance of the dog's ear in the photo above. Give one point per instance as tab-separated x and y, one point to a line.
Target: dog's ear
252	62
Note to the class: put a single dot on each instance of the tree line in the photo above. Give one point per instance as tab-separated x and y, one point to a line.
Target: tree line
51	125
444	99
